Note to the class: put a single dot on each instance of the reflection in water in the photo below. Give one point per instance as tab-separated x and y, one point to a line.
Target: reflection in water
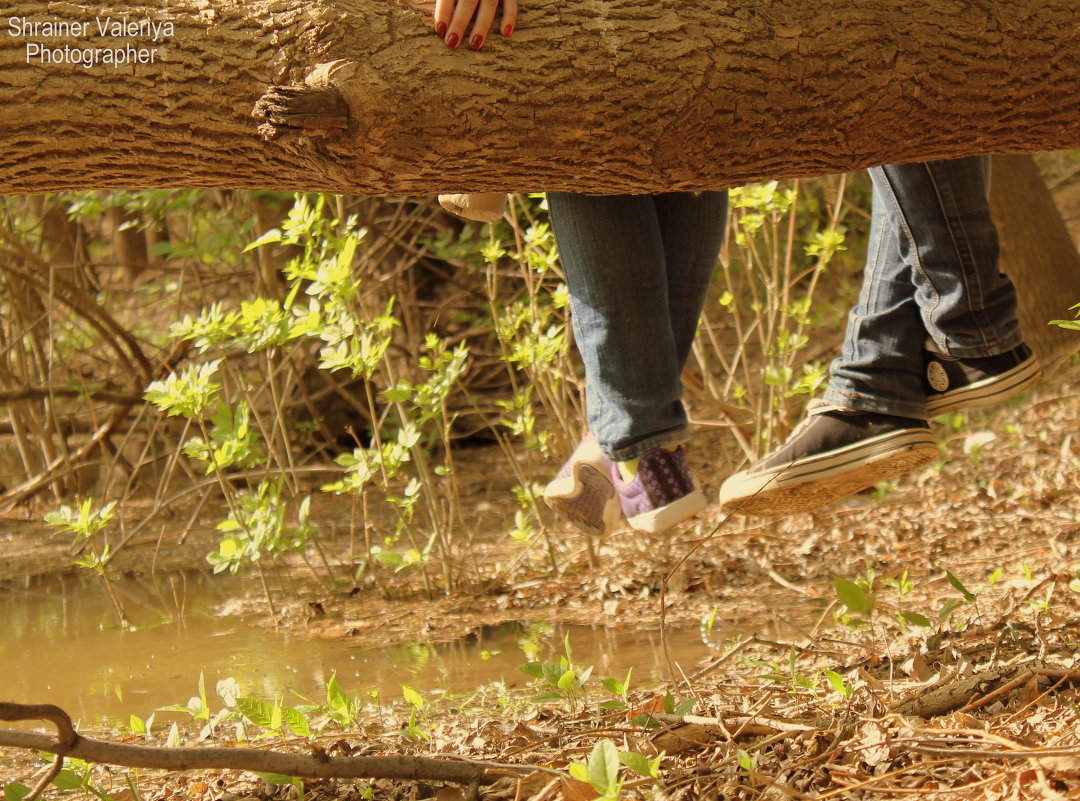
59	644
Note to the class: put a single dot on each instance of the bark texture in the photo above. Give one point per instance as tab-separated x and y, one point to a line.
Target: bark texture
359	96
1037	253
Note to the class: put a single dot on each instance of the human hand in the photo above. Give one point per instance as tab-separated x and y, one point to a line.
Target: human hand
452	17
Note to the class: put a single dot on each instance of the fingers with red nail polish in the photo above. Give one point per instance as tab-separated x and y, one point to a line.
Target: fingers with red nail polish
452	17
509	17
444	12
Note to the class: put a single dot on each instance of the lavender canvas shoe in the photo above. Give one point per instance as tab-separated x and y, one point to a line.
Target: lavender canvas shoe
582	492
663	492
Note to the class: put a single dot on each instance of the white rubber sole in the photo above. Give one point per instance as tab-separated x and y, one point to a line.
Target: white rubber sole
586	498
988	391
809	484
671	515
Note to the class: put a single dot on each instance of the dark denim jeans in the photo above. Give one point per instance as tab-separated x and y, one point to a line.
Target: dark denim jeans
931	275
638	268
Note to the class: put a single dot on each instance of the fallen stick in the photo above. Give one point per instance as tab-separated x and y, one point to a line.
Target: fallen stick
69	743
759	721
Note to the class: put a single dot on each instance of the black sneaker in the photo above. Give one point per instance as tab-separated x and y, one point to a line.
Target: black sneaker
833	453
953	383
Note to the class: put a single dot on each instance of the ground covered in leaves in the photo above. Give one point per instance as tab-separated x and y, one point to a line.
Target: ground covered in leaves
920	640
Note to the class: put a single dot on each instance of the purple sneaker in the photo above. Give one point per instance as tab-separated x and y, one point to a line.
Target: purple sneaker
661	494
582	493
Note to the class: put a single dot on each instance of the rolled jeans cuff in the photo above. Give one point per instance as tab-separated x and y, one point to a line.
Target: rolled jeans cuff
844	395
664	439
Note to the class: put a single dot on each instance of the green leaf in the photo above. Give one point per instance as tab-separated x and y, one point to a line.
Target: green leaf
335	696
258	712
836	681
68	780
968	595
296	721
853	596
204	706
613	686
604	767
566	681
413	697
534	669
15	791
579	771
546	697
275	778
948	608
915	619
273	235
174	708
641	765
685	706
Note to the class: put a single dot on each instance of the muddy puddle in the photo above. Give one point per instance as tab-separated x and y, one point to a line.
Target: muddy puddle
60	643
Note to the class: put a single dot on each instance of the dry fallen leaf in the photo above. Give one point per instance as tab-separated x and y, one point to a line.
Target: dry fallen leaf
1029	692
574	790
684	738
449	794
1062	766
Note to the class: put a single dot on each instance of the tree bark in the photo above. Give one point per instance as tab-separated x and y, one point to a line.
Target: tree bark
359	96
1037	253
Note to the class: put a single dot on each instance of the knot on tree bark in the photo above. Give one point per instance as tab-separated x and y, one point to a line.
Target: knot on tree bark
294	112
316	108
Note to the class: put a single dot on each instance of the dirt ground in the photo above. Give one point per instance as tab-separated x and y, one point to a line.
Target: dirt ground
981	702
950	710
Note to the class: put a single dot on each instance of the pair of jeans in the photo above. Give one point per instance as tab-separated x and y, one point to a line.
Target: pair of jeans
931	280
638	269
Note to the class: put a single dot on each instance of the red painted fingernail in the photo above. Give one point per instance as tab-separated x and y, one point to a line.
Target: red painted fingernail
477	42
452	40
507	30
440	29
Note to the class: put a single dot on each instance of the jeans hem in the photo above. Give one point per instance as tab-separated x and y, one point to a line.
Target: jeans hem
984	351
868	403
665	439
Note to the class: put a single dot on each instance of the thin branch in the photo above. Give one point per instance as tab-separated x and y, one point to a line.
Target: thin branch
318	765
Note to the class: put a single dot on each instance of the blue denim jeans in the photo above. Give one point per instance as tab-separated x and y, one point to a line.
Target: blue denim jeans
931	274
638	268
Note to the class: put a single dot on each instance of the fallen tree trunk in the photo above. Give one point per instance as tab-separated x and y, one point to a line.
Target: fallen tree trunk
359	96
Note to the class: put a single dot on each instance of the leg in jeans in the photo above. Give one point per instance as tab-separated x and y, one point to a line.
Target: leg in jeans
931	273
931	282
638	268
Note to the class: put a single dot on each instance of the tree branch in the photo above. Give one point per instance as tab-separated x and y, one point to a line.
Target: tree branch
70	743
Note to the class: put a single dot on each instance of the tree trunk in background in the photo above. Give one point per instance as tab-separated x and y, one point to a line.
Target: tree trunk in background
1037	253
359	96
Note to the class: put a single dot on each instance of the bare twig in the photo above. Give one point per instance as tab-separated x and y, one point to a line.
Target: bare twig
70	743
